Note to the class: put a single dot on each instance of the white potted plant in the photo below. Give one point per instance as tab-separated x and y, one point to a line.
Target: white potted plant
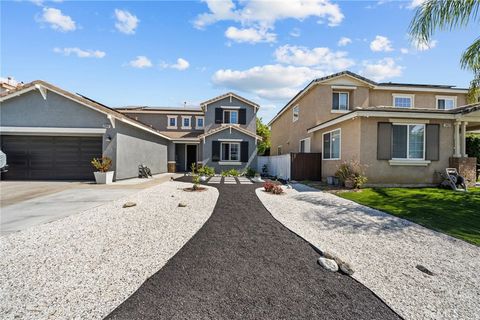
102	165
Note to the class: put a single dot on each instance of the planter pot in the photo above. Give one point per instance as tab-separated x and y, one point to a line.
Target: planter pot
203	178
349	184
104	177
336	181
258	179
330	180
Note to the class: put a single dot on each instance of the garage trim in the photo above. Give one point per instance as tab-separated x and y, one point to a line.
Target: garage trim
53	131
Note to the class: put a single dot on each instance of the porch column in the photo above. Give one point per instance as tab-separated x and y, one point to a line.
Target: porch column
463	139
456	139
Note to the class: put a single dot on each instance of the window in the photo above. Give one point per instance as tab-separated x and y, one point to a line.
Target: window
230	116
199	122
408	141
296	113
279	150
172	122
331	145
186	122
340	101
446	103
230	151
304	145
402	101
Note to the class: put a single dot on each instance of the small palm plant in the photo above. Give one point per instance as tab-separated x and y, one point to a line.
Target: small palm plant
195	177
102	164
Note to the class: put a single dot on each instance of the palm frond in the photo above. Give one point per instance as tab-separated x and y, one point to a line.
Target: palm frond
471	57
442	14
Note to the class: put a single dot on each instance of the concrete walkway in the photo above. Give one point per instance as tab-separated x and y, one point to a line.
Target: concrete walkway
243	264
29	203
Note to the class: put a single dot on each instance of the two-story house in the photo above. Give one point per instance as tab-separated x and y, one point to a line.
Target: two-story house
49	133
401	133
221	133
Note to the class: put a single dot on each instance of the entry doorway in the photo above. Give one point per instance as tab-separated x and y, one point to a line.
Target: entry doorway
191	156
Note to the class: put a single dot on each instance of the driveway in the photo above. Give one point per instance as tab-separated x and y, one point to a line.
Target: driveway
244	264
29	203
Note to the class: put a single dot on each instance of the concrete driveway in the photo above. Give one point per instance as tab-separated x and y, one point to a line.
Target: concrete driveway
28	203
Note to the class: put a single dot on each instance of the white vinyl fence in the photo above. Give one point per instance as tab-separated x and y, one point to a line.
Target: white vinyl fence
277	165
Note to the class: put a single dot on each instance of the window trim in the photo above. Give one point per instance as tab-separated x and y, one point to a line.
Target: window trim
230	152
453	98
348	102
408	142
295	118
300	145
196	122
189	122
231	111
403	95
168	122
339	147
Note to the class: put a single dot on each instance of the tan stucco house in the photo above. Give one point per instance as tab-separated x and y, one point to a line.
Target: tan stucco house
404	134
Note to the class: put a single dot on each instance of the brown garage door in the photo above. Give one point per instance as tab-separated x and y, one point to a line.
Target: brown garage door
50	158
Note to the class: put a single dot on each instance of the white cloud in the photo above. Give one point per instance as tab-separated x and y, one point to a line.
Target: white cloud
404	50
141	62
41	2
344	41
381	70
381	43
424	46
322	58
57	20
415	3
126	22
181	64
250	35
295	32
80	53
274	82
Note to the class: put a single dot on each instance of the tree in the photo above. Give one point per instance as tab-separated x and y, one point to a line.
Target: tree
435	15
263	131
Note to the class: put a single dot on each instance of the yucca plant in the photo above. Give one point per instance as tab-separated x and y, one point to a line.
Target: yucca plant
102	164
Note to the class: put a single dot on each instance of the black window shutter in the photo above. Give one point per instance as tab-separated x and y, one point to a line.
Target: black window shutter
432	140
218	115
215	151
384	141
335	101
244	151
242	116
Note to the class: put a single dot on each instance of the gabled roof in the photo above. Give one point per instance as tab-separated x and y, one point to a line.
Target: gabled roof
229	95
43	86
370	83
229	126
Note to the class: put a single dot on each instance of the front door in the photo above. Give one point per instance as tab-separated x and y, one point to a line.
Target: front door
191	156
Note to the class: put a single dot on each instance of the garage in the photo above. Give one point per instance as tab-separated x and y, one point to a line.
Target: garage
50	157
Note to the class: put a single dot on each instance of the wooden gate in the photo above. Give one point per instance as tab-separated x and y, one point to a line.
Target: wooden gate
306	166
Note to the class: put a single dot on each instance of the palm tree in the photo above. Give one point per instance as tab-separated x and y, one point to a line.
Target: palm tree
449	14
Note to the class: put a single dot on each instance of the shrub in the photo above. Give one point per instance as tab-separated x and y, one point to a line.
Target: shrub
351	173
102	164
230	173
277	189
268	186
195	176
250	173
206	171
473	145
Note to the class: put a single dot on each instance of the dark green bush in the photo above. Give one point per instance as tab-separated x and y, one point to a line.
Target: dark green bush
473	145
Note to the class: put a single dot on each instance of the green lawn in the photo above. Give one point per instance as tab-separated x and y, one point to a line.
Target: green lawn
450	212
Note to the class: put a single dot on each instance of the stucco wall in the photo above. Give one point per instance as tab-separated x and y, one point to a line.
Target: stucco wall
135	147
381	172
160	120
31	110
210	113
421	100
225	134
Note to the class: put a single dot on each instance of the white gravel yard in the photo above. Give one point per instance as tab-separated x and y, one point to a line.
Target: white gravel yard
85	265
384	251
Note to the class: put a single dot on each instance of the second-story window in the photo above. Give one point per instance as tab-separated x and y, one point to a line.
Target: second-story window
340	101
172	122
402	101
200	122
230	116
296	113
186	123
446	103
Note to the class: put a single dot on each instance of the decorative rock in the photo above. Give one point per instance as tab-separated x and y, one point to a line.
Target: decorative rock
328	264
346	269
424	270
129	204
182	205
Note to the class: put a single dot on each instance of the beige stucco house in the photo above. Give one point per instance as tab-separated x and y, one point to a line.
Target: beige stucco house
404	134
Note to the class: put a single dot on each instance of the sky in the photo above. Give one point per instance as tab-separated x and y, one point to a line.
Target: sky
167	53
